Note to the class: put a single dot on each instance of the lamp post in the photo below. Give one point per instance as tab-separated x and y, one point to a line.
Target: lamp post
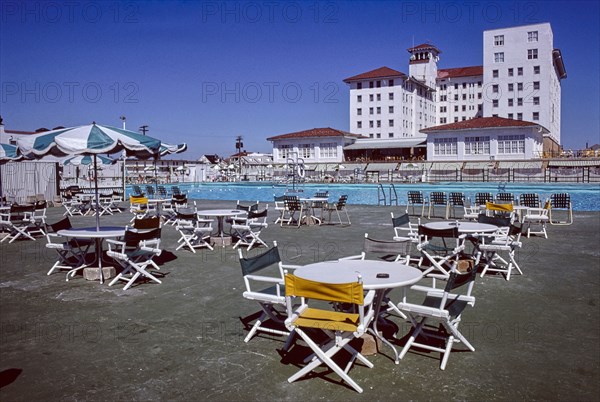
238	147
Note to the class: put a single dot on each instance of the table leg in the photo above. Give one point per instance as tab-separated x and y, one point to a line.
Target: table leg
374	330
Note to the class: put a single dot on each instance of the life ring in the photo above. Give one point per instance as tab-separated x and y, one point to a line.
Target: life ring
300	170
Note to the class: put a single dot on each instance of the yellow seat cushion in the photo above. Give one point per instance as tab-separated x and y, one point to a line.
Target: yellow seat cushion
330	320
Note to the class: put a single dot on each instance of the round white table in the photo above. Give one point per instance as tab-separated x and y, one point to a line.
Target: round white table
345	271
220	214
463	227
104	232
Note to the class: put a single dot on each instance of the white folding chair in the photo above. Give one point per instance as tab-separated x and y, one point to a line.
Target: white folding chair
248	230
194	232
444	307
494	246
18	222
134	254
266	269
536	217
71	252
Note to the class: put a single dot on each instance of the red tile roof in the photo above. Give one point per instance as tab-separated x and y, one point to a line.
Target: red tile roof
480	123
424	46
315	132
382	72
460	72
19	132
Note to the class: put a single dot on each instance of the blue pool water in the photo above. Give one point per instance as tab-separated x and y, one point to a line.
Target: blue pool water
584	197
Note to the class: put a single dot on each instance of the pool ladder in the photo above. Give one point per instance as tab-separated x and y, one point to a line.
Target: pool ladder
382	198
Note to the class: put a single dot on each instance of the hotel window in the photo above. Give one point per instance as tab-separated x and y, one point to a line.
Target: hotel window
378	97
443	109
390	109
510	115
378	135
390	83
532	36
520	71
477	145
442	120
536	100
495	73
359	124
495	88
456	119
306	151
536	116
378	109
519	101
511	87
378	84
494	115
359	98
328	150
391	123
495	103
519	86
511	72
456	97
359	112
511	102
464	118
285	151
479	84
532	54
455	86
370	110
359	85
519	116
499	57
479	95
464	84
370	84
370	123
370	135
445	146
464	96
456	108
391	96
511	144
464	108
499	40
536	85
390	135
378	123
536	69
371	98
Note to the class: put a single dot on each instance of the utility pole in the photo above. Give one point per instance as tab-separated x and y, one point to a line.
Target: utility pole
238	146
144	128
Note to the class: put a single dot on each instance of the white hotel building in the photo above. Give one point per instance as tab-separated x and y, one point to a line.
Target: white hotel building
520	80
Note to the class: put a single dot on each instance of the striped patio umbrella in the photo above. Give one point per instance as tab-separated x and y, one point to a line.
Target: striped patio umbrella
88	160
9	152
92	139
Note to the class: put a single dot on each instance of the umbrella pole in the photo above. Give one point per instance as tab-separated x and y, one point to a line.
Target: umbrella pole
96	193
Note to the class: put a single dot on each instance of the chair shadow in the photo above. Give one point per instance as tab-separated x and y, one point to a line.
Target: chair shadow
9	376
297	353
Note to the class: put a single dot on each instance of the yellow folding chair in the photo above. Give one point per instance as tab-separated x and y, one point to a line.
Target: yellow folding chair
340	326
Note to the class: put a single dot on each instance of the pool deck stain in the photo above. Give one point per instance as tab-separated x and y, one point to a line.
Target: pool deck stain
536	336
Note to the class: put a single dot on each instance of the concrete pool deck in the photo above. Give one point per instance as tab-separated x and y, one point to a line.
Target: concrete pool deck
536	336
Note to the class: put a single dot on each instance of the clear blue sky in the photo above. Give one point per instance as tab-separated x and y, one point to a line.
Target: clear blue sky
205	72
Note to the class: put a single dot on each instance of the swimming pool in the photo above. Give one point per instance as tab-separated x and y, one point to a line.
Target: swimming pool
584	197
